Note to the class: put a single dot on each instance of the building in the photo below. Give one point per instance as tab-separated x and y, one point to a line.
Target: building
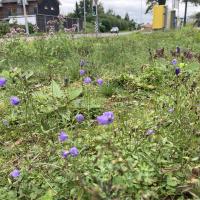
147	27
12	10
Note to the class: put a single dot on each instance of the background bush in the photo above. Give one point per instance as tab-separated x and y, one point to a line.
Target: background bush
4	28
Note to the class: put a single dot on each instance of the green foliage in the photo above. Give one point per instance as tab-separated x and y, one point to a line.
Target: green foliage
197	19
107	20
77	11
107	90
4	28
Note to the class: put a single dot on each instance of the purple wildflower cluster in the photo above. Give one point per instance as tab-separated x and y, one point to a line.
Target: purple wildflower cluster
150	132
73	152
15	101
79	118
177	69
2	82
87	80
100	82
105	119
15	173
62	137
174	62
82	72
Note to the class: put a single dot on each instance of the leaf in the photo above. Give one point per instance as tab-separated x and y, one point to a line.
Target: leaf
47	196
73	93
28	74
56	90
172	181
2	61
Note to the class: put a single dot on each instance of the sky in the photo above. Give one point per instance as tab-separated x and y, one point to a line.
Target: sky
135	8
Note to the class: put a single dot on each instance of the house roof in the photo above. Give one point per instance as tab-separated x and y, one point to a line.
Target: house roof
15	1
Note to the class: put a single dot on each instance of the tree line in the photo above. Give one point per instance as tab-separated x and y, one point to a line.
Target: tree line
107	19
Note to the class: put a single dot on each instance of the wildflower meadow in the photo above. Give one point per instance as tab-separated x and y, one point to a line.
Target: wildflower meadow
100	118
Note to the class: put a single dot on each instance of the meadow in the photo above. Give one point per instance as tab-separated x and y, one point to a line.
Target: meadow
101	118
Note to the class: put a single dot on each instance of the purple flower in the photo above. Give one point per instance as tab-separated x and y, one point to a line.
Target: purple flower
62	136
178	50
174	62
106	118
87	80
2	82
14	101
65	154
171	110
82	72
74	152
15	173
80	118
177	71
150	132
100	82
82	63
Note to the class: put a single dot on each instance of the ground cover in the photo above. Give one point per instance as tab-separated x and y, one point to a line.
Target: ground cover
107	118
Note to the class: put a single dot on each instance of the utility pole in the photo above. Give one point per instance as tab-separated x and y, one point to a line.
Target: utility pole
97	20
95	13
25	17
84	16
178	4
141	11
185	15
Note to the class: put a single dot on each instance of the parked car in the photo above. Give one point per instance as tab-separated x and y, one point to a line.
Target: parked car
114	30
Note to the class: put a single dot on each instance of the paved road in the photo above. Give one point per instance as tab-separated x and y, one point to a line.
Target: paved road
104	34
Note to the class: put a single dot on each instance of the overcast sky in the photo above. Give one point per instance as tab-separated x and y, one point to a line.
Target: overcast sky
135	8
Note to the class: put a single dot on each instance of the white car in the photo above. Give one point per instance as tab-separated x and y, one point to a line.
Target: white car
114	30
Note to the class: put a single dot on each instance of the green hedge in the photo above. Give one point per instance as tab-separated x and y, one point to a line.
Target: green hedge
5	28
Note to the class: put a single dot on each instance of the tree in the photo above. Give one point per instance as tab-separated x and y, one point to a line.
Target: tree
77	12
106	20
195	2
185	14
127	18
150	4
197	19
106	23
88	7
100	8
110	12
118	16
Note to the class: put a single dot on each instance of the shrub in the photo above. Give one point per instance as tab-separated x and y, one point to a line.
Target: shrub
4	28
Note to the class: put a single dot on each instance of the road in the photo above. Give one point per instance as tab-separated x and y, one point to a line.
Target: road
104	34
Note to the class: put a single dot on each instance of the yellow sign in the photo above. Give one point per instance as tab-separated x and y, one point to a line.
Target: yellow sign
159	17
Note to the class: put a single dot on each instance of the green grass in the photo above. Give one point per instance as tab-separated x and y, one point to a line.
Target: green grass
118	161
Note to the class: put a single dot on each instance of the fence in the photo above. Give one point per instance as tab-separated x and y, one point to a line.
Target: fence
42	21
